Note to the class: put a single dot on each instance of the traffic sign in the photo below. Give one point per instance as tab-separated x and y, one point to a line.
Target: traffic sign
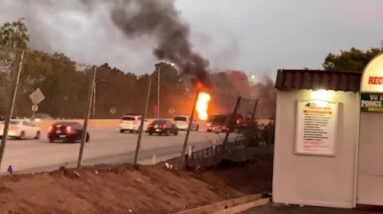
37	96
171	110
35	108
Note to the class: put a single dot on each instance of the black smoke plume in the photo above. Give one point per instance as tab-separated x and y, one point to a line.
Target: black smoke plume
161	20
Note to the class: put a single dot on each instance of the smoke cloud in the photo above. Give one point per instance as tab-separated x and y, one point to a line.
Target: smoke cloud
228	85
161	20
266	94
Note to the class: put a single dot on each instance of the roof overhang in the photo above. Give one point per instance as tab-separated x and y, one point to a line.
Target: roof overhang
288	79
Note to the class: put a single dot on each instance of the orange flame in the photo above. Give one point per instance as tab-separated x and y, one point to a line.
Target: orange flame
203	105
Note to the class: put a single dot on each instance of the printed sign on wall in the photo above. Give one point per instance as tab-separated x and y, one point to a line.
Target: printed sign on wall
371	102
316	128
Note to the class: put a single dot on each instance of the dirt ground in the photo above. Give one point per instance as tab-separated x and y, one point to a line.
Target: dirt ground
124	189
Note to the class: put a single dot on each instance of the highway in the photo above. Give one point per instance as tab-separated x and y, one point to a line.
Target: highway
105	146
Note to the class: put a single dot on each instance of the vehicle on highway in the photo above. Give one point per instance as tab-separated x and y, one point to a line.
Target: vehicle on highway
131	123
182	123
38	117
21	129
240	121
66	131
222	122
217	123
162	127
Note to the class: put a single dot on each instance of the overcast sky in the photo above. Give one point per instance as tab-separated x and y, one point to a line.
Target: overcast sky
256	36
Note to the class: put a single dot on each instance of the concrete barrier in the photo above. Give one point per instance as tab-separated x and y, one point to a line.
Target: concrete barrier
95	123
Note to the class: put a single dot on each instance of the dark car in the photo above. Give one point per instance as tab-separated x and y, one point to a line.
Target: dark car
217	123
222	122
66	131
240	121
162	127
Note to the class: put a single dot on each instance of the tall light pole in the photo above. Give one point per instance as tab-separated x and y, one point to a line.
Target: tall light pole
158	68
94	100
158	95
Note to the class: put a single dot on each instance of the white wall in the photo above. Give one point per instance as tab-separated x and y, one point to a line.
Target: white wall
315	180
370	169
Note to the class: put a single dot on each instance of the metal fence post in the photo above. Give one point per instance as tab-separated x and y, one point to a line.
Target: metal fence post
11	107
230	125
188	130
252	119
86	117
142	122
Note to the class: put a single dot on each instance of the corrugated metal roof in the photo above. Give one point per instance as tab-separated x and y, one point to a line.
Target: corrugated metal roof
318	79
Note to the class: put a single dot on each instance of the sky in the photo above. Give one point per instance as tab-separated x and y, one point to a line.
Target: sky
255	36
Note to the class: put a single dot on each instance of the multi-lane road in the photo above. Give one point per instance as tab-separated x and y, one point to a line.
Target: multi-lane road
105	146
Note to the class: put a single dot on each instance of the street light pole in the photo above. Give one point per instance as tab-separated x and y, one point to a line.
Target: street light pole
158	69
158	96
94	100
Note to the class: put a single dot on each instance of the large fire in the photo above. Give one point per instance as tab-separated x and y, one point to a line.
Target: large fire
203	105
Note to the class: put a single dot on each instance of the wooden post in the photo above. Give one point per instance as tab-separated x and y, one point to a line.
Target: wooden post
142	123
11	107
86	117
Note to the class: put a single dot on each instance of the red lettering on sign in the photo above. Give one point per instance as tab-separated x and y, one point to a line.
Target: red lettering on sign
370	80
374	80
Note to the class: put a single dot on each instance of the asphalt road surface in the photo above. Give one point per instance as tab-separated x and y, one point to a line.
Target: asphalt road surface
105	146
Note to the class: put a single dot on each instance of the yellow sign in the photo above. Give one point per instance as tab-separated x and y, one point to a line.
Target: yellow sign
372	78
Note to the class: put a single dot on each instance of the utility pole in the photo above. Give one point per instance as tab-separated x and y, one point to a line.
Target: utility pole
86	117
11	107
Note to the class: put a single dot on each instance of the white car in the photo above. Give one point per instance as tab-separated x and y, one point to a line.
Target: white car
21	129
182	123
131	123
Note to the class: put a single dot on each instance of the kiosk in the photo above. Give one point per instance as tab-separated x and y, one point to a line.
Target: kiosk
329	137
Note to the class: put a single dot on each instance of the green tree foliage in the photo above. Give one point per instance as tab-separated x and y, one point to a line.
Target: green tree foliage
14	34
352	60
117	92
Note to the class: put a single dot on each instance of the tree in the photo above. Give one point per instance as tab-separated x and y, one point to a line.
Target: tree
352	60
14	34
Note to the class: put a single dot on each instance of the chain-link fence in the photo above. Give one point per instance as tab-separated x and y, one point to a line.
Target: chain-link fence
56	95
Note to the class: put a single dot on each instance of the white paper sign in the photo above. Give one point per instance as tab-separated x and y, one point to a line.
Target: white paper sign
316	128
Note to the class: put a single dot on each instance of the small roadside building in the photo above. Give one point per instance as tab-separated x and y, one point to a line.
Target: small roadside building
329	137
